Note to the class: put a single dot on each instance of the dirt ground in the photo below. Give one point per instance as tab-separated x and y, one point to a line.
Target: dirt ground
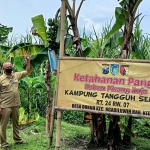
81	144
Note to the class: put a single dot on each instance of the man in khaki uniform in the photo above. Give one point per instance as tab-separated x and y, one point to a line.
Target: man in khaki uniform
10	101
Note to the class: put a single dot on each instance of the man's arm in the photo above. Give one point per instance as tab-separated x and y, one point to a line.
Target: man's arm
22	74
28	64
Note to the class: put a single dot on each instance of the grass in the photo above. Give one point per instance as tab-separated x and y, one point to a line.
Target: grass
34	134
37	137
73	137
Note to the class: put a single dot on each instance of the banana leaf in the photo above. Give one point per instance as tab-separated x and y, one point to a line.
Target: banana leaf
21	114
120	21
18	64
23	84
32	82
39	26
4	49
126	130
87	51
39	58
38	79
23	48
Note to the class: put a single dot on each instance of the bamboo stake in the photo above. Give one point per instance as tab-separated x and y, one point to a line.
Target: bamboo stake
61	54
49	96
62	31
58	130
51	127
52	113
49	108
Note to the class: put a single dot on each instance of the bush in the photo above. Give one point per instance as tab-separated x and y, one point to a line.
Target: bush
74	117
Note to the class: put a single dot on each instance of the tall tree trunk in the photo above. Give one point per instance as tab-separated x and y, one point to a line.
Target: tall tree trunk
76	37
47	78
114	133
125	51
98	129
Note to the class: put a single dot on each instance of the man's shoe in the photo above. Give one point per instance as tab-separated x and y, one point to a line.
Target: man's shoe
22	142
6	148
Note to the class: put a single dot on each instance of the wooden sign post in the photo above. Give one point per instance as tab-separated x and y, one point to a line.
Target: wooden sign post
61	54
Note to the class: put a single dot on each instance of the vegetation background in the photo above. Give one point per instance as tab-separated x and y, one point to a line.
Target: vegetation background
75	133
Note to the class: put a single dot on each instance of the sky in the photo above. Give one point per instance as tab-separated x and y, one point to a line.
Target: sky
94	13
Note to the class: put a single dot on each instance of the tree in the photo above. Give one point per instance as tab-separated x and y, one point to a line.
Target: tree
125	16
4	31
73	18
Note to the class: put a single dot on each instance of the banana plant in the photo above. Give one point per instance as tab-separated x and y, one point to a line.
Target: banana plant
25	119
39	29
28	84
125	17
73	17
35	48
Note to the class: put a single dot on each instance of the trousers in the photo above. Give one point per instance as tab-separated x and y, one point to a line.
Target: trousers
7	113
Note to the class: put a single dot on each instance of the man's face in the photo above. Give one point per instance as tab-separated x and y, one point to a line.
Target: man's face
7	68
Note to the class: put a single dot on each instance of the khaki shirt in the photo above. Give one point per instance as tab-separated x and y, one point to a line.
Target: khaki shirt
9	94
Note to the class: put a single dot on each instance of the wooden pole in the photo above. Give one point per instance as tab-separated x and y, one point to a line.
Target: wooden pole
58	130
51	127
62	31
49	107
61	54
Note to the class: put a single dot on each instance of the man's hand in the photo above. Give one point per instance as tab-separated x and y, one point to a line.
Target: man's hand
27	56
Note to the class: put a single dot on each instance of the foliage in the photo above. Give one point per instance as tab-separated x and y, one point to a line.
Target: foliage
100	46
3	54
39	28
36	102
33	90
22	48
28	118
32	93
73	117
121	14
4	31
107	46
141	127
141	44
